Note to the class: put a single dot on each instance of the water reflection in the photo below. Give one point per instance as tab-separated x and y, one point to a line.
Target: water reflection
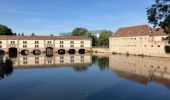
42	60
142	70
6	68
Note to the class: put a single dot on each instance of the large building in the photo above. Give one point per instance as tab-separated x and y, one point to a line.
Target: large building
58	44
139	40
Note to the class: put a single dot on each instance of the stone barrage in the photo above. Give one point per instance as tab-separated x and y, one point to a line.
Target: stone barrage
31	44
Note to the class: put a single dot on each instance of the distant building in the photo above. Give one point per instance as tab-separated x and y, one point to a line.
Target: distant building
141	39
94	32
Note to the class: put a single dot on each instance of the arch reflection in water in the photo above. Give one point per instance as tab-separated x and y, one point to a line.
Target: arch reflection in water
142	70
57	60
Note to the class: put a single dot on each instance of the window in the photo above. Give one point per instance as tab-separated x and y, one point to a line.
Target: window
82	46
36	46
25	62
49	42
24	42
36	62
0	46
36	58
61	42
72	46
151	45
71	42
61	46
12	42
159	46
36	42
24	46
82	42
24	58
61	57
0	42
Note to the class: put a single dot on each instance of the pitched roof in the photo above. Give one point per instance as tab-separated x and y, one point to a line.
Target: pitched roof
140	30
43	37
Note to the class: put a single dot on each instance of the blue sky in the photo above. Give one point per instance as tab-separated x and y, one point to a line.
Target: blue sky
46	17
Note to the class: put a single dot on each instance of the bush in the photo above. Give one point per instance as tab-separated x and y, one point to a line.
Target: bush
167	49
114	53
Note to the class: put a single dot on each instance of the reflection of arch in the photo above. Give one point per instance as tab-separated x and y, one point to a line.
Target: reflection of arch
82	51
61	51
37	52
25	52
72	51
49	51
2	53
12	52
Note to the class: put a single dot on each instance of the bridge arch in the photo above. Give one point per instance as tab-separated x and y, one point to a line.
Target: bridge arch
36	52
25	52
82	51
72	51
12	52
61	51
49	51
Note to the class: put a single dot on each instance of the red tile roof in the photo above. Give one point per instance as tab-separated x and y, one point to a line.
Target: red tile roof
140	30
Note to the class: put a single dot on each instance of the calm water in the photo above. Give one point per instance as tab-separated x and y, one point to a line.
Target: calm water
86	77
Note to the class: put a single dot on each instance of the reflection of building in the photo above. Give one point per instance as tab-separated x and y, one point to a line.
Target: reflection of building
31	43
139	40
57	60
142	70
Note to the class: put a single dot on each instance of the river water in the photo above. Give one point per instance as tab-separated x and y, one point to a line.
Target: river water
87	77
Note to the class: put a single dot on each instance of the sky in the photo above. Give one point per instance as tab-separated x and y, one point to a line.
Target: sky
45	17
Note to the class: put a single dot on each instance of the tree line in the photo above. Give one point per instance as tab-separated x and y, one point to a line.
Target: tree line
101	41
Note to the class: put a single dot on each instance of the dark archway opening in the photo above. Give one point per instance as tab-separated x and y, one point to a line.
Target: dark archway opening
61	51
82	51
37	52
25	52
2	53
12	52
72	51
49	52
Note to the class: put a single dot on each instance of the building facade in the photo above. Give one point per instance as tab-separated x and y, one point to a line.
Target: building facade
41	43
139	40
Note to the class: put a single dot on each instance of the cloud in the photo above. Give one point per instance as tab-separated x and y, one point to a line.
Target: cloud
19	12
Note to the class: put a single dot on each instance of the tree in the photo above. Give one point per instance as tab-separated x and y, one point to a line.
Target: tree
19	34
4	30
94	39
104	38
159	14
22	34
80	32
33	34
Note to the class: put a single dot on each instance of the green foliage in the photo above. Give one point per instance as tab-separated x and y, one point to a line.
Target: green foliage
79	32
104	38
33	34
94	39
167	49
114	53
4	30
159	14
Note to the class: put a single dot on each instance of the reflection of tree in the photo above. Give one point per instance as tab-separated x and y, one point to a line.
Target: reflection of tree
6	68
80	68
103	63
94	59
